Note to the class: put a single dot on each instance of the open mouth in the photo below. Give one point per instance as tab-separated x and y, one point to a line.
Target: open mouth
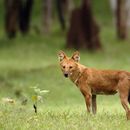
66	75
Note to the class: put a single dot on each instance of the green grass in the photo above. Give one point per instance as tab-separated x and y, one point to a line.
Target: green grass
28	61
31	60
62	118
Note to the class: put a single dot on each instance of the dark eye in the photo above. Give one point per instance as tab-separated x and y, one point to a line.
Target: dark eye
71	67
64	67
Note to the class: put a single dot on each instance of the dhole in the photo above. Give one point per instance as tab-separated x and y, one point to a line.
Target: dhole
92	81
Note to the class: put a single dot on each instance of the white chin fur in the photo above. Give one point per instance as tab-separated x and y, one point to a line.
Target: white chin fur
70	73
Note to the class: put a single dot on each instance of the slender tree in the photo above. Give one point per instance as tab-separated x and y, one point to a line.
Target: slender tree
25	11
47	15
62	6
121	21
17	16
11	16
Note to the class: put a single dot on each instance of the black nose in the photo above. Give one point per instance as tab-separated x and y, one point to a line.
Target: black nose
66	75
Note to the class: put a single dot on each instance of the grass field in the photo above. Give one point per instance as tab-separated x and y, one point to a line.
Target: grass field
32	60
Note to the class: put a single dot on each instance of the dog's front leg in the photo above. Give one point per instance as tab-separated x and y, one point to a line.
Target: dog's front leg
94	104
88	100
86	91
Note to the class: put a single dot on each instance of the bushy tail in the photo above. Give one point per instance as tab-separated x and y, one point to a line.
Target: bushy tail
129	97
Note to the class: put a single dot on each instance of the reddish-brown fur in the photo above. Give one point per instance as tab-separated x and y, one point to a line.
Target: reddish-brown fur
92	81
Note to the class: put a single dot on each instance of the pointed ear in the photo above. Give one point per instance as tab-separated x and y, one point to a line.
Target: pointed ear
76	56
61	55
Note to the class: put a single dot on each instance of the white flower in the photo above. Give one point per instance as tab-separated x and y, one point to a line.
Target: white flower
44	91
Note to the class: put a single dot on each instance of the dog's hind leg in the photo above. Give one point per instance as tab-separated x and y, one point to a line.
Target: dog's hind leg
124	102
94	104
124	94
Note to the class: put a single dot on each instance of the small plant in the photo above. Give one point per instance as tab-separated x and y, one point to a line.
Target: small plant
38	96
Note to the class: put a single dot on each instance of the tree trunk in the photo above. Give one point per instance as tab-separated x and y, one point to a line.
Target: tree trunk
62	6
18	12
121	21
11	16
47	15
25	11
83	31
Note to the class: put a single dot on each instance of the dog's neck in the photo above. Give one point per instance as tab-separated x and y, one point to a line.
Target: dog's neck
77	73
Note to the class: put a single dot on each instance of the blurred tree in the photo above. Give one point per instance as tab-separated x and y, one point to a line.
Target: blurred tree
62	6
121	21
25	10
83	31
17	12
47	15
11	16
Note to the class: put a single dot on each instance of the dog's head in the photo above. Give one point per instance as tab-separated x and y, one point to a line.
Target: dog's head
68	64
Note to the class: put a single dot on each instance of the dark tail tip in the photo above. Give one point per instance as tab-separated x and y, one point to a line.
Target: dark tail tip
129	97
